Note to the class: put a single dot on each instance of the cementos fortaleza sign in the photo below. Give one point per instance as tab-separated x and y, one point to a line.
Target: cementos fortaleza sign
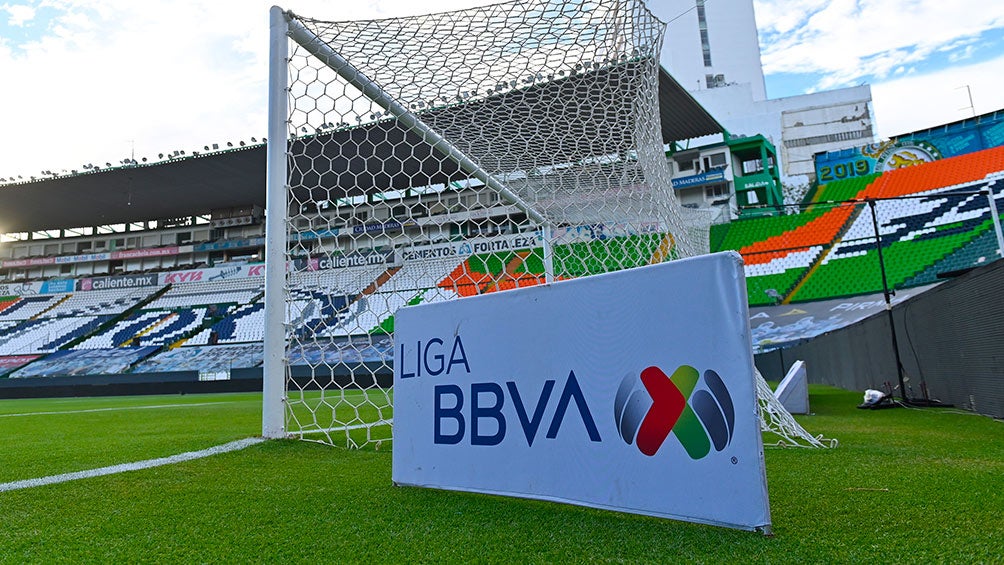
472	246
605	391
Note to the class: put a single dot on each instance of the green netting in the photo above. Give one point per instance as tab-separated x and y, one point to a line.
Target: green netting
533	263
594	257
490	263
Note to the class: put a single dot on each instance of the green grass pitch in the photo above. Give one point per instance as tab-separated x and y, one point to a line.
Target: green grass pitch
914	486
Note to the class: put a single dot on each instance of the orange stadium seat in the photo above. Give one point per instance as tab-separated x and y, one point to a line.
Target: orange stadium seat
937	174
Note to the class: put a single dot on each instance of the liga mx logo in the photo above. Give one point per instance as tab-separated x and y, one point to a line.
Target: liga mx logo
647	415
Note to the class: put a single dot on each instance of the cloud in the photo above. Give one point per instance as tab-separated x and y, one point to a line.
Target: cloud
851	40
104	80
926	100
18	14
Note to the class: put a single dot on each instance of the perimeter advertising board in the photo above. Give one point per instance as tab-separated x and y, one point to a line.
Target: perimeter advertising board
630	391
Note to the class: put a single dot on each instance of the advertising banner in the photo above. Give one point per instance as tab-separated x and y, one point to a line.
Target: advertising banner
630	391
58	286
33	262
148	252
8	362
20	289
714	175
212	274
391	225
348	260
85	258
124	281
468	247
919	147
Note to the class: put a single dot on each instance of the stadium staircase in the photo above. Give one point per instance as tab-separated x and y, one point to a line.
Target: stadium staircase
54	306
821	258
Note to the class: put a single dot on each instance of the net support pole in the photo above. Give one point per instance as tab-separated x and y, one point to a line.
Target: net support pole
547	232
276	210
888	303
324	53
995	217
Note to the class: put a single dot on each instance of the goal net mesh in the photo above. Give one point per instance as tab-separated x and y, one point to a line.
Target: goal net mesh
455	154
779	426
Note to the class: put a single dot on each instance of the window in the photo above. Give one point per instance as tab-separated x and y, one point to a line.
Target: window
753	166
716	191
702	23
715	160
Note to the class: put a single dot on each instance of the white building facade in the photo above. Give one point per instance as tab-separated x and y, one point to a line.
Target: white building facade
712	49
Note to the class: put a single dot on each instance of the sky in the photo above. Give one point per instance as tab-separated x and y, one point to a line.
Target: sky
99	81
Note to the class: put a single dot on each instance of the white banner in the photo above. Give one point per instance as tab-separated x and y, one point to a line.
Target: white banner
629	391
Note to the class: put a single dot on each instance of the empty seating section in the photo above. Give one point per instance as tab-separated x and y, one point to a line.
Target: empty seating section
977	251
826	251
203	358
124	330
343	281
939	174
593	257
246	324
366	314
745	232
147	327
101	302
820	230
85	362
27	307
204	293
173	326
45	335
7	302
490	272
929	220
344	351
778	275
847	189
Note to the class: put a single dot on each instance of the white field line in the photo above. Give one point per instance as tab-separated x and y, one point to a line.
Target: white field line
115	409
134	466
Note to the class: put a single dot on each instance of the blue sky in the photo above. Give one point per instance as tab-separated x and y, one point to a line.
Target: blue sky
96	81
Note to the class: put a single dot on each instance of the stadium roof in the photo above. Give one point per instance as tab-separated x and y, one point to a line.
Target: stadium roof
198	184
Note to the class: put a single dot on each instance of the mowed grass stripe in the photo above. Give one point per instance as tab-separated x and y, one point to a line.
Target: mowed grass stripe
903	486
86	410
133	466
90	433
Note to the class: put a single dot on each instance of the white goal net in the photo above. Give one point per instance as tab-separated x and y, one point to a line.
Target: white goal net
447	155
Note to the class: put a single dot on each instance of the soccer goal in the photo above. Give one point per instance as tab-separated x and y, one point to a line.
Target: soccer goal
435	157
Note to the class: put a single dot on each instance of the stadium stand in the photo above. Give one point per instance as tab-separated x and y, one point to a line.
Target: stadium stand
203	358
84	362
936	225
929	218
28	307
246	324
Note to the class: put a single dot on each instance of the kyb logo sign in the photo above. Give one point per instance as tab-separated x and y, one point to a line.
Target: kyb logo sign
651	406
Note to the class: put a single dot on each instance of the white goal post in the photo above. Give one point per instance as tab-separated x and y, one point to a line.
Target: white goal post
429	158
